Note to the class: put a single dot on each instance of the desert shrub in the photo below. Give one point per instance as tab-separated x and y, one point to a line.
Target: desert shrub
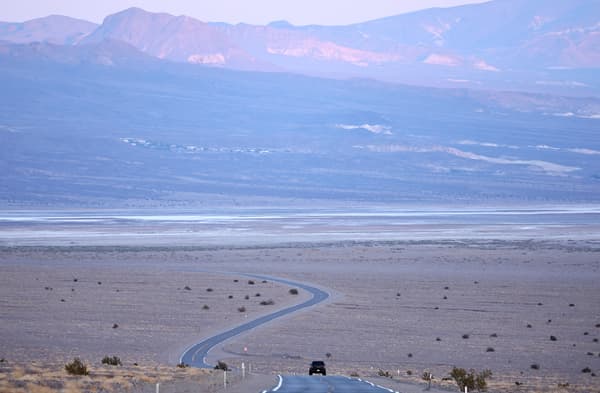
230	297
187	288
354	374
529	326
465	336
75	280
409	372
445	297
595	340
236	280
242	309
586	370
76	367
494	335
257	295
490	349
590	353
462	378
221	366
209	289
205	307
571	305
2	360
293	291
586	333
410	355
552	338
251	282
182	365
269	302
328	355
563	385
112	361
99	282
598	325
383	373
427	376
115	325
470	379
438	339
535	366
264	281
247	297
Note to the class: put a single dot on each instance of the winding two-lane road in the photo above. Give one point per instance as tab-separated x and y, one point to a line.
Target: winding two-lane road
196	354
318	384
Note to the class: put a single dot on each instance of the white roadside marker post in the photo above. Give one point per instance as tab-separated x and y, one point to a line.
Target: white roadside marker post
157	387
243	371
225	379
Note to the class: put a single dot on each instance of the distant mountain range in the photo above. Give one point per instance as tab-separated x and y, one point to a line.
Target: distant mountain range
153	110
104	125
509	44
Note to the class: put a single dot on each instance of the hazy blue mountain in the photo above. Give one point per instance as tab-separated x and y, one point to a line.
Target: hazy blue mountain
533	45
55	29
115	127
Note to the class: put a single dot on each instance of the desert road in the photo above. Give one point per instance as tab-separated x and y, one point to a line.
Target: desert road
195	355
319	384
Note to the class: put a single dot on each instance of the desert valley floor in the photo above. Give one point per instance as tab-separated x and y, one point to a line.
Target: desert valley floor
527	310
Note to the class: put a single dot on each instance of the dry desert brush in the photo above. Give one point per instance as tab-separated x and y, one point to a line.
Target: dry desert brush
470	379
222	366
112	361
76	367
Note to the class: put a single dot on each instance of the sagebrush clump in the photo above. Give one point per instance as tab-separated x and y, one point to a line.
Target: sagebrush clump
222	366
470	379
76	367
112	361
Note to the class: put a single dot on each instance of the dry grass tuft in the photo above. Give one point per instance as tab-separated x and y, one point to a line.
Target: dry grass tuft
53	378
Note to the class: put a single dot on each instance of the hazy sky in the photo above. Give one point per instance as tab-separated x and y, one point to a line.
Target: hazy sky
299	12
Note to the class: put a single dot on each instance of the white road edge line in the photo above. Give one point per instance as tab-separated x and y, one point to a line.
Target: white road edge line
279	384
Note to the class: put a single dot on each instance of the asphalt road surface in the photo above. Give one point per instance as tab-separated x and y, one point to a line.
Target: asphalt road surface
320	384
195	355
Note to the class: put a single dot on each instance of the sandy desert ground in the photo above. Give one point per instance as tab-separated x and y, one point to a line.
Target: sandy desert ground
527	310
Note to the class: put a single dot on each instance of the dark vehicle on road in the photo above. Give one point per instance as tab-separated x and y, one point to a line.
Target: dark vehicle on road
317	367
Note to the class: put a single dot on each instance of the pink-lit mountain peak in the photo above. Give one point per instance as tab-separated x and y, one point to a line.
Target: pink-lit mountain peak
176	38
